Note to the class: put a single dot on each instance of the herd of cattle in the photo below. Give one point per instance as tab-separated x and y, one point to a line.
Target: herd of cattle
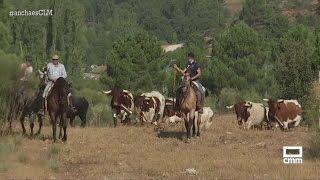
279	112
151	108
154	108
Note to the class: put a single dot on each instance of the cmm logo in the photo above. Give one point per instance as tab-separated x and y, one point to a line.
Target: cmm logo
292	154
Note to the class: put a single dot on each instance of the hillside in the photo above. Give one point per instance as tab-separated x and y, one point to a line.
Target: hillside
222	152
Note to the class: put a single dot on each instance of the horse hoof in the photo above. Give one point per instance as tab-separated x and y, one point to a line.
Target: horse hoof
188	140
198	134
194	135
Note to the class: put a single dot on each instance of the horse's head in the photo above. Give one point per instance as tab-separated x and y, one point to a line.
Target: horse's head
186	82
62	87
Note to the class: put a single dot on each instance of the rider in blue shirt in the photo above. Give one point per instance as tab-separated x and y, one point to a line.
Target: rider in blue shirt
193	67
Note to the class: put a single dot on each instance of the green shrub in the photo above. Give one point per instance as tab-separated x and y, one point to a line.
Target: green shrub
227	97
23	157
53	151
55	164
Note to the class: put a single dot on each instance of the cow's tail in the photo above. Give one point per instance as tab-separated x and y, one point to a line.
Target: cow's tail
230	107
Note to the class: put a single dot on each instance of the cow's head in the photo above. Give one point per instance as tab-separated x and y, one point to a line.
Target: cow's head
248	104
142	104
274	106
118	96
241	111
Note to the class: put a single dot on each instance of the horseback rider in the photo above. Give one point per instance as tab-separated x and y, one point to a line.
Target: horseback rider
193	67
55	69
26	69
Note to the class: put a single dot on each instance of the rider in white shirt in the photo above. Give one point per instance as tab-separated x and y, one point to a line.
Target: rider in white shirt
54	70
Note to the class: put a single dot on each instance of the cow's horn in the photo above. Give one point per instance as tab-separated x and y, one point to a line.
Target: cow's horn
125	91
267	100
280	100
229	107
107	92
147	98
40	72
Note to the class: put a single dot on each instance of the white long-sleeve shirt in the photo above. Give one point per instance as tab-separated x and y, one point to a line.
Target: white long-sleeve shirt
56	71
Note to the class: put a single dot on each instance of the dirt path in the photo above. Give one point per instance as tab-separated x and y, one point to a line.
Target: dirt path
222	152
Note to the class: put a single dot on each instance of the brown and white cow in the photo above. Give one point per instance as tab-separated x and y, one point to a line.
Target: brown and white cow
241	112
256	113
169	110
162	100
146	108
122	104
285	112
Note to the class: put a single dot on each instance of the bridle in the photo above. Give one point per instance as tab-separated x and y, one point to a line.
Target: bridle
186	86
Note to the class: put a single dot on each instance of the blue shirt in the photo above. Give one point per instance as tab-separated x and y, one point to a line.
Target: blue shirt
192	68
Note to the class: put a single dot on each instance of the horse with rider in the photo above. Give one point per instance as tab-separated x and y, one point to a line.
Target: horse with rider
190	95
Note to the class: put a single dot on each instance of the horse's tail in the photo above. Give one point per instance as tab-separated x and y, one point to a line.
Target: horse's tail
207	93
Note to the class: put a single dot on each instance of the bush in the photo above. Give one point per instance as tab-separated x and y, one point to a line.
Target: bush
52	158
314	151
311	106
9	80
294	61
9	68
23	157
311	117
228	96
53	151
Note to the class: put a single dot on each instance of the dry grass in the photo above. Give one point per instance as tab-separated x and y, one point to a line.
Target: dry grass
222	152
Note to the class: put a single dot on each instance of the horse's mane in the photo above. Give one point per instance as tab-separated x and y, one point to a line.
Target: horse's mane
61	86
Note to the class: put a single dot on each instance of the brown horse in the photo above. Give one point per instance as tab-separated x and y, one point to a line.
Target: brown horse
188	107
33	108
58	107
26	103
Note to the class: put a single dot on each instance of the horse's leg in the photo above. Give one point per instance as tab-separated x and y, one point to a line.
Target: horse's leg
190	123
31	124
186	125
40	124
60	126
64	121
198	123
71	120
22	123
54	126
193	129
